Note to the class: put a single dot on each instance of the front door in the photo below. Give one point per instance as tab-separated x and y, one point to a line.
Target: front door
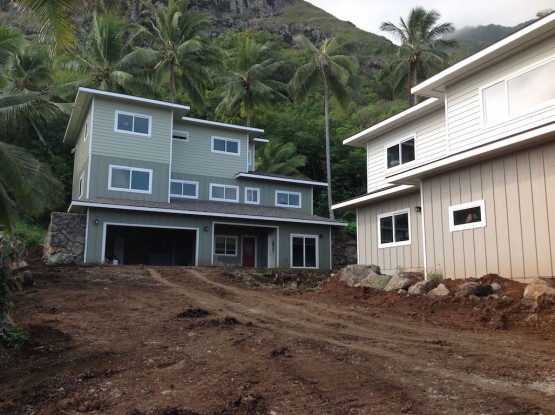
249	251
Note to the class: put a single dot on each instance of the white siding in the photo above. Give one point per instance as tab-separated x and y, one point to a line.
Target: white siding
430	144
464	109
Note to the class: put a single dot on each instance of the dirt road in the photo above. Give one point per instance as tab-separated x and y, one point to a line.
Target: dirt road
128	340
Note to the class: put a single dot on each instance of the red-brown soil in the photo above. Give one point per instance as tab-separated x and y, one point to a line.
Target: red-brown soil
126	340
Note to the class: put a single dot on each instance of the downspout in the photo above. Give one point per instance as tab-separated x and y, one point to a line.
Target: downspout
423	231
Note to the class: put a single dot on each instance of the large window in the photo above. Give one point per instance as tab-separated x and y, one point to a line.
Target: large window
394	228
252	195
519	94
130	123
226	146
288	199
184	189
467	216
130	179
225	245
400	153
304	251
224	193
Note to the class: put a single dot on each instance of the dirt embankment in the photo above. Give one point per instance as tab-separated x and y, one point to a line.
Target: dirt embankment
128	340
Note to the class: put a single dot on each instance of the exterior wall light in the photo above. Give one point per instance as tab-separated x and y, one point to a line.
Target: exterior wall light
417	209
206	229
96	221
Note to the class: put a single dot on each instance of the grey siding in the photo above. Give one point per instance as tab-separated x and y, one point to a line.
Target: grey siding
81	160
464	106
430	144
519	194
100	172
267	189
195	157
95	234
408	257
107	142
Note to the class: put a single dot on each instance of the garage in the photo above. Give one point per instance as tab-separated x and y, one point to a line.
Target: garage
133	245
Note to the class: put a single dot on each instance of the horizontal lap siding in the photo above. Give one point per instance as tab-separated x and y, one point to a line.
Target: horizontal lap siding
430	144
464	110
81	161
322	233
194	156
107	142
267	189
407	257
519	238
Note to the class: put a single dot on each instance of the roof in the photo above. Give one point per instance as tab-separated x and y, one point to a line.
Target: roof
360	139
533	33
372	197
208	208
84	98
278	178
222	125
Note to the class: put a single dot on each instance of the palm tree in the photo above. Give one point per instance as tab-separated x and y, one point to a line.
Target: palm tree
251	80
280	158
422	49
106	56
181	48
335	70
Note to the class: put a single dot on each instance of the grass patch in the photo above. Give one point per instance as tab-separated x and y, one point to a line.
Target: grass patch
29	234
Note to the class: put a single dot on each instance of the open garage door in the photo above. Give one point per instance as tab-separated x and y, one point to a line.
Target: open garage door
133	245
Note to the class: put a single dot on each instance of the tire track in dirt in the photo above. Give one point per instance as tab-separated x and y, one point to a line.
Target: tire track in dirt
392	349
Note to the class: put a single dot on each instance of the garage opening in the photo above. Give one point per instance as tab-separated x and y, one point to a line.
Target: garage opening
132	245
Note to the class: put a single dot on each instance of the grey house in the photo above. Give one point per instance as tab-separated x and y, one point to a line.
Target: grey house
161	188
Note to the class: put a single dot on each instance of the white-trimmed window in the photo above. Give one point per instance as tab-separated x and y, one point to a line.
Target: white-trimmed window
304	251
130	123
180	135
224	193
394	228
288	199
467	216
252	195
81	185
519	94
400	152
225	245
130	179
226	145
86	135
184	189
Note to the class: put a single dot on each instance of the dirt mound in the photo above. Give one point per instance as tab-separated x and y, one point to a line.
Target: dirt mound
193	313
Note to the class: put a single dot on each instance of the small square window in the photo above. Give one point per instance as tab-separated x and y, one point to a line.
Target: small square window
394	229
467	216
225	245
180	135
132	123
130	179
141	125
252	195
224	193
226	145
288	199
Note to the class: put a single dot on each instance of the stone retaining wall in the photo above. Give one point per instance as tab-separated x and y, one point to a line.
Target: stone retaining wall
65	240
344	248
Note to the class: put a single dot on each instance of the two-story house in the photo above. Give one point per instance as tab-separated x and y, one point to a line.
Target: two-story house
162	188
464	182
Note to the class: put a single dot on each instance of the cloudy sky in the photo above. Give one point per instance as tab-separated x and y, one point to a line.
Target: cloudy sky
368	15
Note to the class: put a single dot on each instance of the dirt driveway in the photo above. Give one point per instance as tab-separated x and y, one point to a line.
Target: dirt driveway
129	340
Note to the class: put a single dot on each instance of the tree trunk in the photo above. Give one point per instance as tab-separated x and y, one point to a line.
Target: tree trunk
248	105
173	91
41	137
409	77
414	82
328	156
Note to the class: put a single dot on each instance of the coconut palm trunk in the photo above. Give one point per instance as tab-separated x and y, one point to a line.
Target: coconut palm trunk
328	155
173	90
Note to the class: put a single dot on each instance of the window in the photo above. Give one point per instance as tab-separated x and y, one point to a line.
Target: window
252	195
81	185
394	229
224	193
400	153
180	135
130	179
467	216
86	130
184	189
304	251
225	245
288	199
226	146
519	94
132	123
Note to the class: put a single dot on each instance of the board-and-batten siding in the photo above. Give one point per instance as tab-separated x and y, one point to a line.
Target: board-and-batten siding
430	144
195	155
464	109
107	142
390	260
519	194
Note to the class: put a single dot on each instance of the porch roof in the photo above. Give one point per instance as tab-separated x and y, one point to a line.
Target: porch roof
207	208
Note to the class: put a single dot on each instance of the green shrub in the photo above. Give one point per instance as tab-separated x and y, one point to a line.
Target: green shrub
435	276
29	234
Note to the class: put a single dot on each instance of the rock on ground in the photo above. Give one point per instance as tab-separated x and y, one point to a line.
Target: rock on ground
537	288
495	287
376	281
397	283
61	257
440	291
421	287
355	274
473	288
